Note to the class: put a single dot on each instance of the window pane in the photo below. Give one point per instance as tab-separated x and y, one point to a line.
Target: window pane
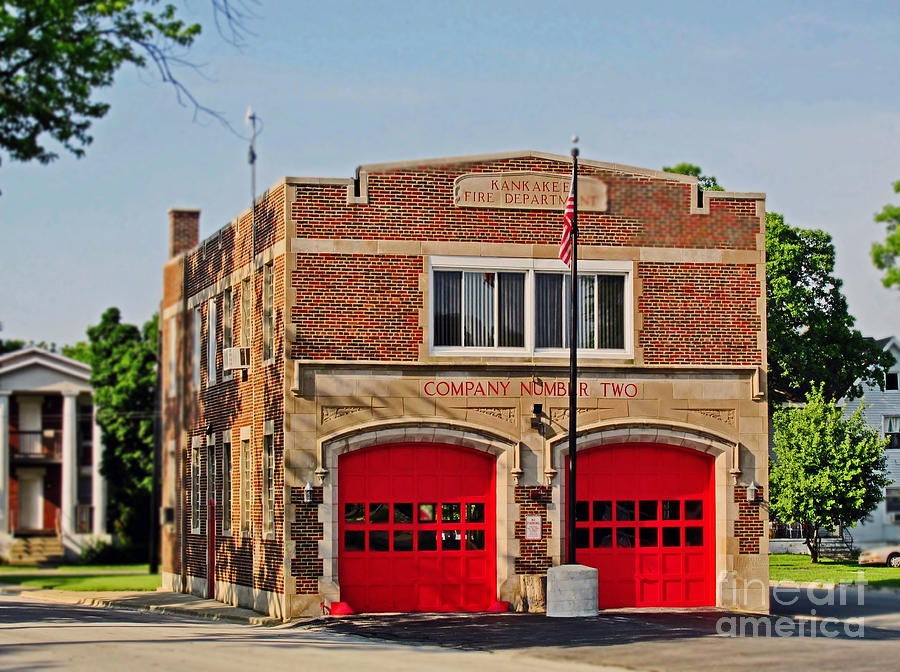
602	537
671	536
428	540
379	513
403	540
354	540
478	320
648	536
450	513
548	310
671	509
693	536
378	540
611	302
426	513
586	316
355	513
693	509
447	298
450	540
475	540
475	513
624	510
582	511
647	510
403	513
625	537
511	310
602	510
582	537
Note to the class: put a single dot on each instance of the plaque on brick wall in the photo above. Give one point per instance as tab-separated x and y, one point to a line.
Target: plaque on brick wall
532	528
527	190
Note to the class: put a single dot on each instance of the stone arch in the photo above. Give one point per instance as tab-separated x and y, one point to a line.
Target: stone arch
406	430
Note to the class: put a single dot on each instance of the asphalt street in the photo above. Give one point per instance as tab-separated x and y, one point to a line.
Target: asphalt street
861	634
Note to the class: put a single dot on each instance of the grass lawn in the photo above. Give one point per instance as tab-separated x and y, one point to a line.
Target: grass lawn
798	568
82	569
82	577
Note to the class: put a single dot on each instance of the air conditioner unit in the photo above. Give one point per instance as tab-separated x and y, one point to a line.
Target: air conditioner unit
236	358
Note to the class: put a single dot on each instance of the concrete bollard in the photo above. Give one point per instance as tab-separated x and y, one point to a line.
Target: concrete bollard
571	591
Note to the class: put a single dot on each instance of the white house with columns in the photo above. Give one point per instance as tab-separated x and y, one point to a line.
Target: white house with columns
50	450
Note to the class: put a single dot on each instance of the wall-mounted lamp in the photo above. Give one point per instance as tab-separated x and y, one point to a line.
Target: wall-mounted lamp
209	428
307	492
537	411
752	491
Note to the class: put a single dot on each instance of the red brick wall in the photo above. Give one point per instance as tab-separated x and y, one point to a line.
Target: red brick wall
699	314
749	526
306	531
232	404
532	558
417	204
183	228
357	307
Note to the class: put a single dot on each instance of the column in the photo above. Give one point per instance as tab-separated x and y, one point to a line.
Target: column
4	462
69	463
98	482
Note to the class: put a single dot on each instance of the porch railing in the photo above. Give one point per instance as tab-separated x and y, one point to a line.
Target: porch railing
46	445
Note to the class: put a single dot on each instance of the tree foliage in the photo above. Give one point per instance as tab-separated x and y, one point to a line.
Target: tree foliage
884	255
705	182
56	54
830	470
811	339
123	375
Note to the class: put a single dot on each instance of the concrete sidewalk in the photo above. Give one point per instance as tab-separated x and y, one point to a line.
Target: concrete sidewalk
160	602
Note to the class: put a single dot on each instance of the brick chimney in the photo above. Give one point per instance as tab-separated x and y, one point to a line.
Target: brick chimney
184	230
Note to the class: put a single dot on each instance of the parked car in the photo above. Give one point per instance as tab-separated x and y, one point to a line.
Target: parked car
883	555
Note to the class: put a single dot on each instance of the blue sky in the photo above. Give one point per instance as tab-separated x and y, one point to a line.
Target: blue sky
798	100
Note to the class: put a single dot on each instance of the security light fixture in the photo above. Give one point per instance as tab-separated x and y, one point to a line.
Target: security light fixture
307	492
752	491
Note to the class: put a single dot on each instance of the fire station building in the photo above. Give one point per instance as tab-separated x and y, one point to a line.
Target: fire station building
365	391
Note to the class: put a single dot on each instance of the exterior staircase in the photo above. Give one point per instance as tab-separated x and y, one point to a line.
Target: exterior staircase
839	547
36	551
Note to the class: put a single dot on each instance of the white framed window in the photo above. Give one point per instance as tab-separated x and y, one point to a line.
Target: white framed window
268	317
491	306
211	342
196	489
891	426
173	357
892	381
227	325
195	354
268	490
245	486
211	471
892	500
226	483
246	308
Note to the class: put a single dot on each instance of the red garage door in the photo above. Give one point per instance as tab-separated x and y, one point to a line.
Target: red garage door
417	528
645	520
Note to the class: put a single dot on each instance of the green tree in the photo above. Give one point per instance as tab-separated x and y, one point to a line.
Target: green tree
81	352
56	54
706	182
811	339
830	470
123	375
884	255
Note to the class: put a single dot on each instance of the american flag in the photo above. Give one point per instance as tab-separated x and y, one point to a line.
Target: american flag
565	242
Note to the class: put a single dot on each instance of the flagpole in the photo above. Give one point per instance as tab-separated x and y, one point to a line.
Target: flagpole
573	362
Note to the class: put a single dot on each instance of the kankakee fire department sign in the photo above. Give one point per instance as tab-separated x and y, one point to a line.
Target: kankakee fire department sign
526	191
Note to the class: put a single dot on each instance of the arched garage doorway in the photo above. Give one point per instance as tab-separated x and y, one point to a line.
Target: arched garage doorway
645	518
417	528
